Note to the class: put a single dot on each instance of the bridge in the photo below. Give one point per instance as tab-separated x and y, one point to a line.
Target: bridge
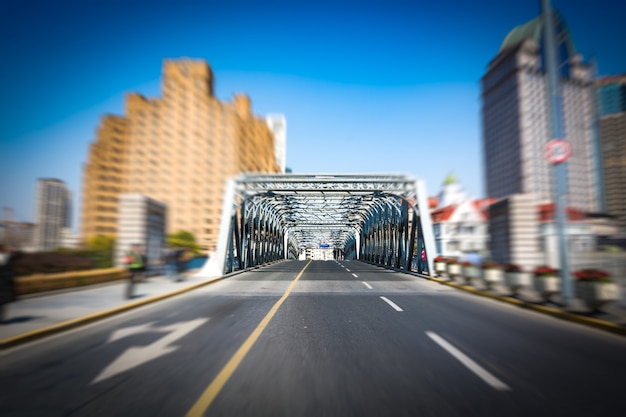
382	219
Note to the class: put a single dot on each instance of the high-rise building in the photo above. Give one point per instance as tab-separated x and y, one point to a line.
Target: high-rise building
278	126
612	132
178	149
52	213
515	118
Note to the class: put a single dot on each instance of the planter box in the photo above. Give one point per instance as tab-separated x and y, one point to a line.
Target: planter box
470	273
440	268
454	270
516	280
492	276
596	294
547	286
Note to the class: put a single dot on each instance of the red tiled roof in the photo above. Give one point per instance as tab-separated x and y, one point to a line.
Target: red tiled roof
482	205
546	213
442	214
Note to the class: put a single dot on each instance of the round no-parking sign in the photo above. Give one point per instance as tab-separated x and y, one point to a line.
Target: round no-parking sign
557	151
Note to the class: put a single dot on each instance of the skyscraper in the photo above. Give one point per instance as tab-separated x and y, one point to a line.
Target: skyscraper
278	126
612	132
52	213
515	117
178	149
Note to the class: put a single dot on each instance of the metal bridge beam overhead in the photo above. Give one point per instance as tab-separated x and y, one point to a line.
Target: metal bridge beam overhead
375	217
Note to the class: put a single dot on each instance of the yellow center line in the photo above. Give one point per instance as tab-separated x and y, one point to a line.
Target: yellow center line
214	388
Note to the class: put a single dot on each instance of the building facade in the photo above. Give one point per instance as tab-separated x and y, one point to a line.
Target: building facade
178	149
460	223
612	133
515	118
52	213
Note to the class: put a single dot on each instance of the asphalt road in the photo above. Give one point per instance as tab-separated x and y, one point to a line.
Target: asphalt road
337	339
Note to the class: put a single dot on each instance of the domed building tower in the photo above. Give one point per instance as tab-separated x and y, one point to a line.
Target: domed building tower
515	118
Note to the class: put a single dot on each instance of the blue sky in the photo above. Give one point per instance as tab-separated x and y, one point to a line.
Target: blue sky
384	87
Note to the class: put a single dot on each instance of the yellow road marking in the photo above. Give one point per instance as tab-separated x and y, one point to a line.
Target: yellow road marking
209	394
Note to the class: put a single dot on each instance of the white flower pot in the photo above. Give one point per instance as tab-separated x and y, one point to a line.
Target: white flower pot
516	280
492	276
596	294
547	286
470	273
454	270
440	268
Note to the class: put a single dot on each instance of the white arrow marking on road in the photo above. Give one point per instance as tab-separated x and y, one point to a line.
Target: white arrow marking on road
136	356
469	363
129	331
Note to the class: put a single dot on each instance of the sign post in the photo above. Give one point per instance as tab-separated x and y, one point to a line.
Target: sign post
557	149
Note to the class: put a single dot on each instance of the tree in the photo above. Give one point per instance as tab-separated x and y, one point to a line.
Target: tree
183	239
101	242
101	250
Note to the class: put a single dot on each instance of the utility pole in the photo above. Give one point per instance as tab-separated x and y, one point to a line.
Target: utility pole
558	134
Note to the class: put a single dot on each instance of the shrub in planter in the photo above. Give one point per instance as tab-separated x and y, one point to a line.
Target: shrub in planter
492	273
595	287
470	271
516	278
546	281
454	267
440	265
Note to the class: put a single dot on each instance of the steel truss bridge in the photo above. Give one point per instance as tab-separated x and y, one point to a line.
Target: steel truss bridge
383	219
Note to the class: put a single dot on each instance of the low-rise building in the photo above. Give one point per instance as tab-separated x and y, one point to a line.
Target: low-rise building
460	223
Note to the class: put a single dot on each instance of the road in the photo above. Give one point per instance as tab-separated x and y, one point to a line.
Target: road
320	339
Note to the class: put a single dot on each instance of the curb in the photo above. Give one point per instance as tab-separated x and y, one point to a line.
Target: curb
80	321
551	311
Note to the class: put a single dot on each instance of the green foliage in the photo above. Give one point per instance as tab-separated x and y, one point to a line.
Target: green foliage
183	239
101	250
52	262
101	242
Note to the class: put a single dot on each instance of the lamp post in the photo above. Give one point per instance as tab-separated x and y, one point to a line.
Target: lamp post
560	166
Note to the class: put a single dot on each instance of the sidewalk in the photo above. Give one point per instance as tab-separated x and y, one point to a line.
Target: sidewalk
38	315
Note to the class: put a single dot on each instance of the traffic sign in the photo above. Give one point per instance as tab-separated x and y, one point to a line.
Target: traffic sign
557	151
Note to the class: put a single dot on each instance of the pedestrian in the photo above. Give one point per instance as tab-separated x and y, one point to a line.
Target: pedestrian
134	261
7	279
181	260
423	264
171	264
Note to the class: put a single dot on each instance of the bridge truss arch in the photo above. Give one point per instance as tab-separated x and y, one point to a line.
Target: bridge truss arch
383	219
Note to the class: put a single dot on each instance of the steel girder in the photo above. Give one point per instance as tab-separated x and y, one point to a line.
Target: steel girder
270	217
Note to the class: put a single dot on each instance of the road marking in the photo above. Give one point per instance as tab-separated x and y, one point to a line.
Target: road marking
131	330
214	388
470	364
355	275
136	356
347	270
367	285
391	303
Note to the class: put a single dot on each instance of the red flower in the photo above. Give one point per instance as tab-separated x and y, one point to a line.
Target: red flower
590	274
512	268
491	265
546	271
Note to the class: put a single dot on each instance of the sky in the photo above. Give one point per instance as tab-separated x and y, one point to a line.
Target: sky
365	86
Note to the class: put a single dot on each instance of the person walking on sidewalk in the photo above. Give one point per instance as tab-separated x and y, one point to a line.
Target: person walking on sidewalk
134	261
7	279
171	264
